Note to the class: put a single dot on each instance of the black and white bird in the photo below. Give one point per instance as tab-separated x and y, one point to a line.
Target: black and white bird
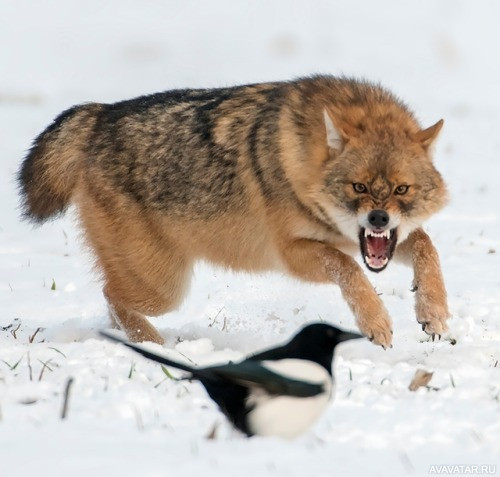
278	392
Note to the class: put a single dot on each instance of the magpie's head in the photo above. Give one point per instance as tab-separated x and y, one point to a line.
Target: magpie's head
317	342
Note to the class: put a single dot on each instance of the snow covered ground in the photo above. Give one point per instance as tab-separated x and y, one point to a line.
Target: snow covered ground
125	417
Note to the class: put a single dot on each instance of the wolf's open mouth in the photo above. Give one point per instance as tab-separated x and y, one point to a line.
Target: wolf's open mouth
377	247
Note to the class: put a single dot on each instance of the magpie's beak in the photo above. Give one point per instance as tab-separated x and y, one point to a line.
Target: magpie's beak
346	335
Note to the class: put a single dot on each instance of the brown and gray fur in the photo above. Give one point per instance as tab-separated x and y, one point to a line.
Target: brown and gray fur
257	177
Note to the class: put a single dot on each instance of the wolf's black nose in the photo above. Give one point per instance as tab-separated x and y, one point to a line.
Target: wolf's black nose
378	218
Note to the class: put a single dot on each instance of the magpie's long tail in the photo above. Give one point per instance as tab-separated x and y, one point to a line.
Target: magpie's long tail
149	354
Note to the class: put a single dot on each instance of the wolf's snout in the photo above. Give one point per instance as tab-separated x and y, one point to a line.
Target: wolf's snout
378	218
377	240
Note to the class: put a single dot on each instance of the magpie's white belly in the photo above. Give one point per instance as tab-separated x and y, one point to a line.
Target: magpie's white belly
286	416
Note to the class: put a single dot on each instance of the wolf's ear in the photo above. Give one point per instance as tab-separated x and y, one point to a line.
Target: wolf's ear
333	136
427	136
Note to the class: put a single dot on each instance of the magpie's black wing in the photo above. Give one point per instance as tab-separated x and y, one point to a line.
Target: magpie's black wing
149	354
253	374
273	354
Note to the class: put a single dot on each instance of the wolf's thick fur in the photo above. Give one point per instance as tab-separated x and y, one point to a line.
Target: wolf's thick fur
271	176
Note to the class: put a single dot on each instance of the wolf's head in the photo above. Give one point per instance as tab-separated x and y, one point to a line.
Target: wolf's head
379	183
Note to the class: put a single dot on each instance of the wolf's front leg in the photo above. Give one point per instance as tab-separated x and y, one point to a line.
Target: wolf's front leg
322	263
431	305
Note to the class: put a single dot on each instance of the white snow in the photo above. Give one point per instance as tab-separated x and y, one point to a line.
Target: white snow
440	56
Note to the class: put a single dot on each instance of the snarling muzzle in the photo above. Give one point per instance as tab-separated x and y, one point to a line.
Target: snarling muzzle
377	241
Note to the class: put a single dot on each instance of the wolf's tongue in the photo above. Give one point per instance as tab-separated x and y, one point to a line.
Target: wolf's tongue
377	246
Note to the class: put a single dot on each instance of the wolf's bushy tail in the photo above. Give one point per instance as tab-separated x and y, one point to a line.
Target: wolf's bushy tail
50	170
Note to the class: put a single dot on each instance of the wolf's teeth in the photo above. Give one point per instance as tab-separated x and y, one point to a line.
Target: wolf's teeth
371	233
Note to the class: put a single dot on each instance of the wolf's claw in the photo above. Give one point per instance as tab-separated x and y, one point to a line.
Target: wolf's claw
377	329
432	317
434	329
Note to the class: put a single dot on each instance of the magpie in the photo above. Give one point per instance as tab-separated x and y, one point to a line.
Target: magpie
278	392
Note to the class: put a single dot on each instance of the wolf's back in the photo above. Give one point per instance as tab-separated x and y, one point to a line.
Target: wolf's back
50	170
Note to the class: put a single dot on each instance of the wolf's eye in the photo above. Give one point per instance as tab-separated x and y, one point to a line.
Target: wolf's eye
401	189
359	188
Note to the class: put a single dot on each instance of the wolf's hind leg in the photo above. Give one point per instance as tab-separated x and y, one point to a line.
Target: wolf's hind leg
145	270
157	285
135	325
130	300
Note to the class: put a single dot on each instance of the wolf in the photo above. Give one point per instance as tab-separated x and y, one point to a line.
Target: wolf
294	176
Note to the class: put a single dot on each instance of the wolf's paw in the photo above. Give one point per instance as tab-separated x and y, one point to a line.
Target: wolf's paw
433	318
378	330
